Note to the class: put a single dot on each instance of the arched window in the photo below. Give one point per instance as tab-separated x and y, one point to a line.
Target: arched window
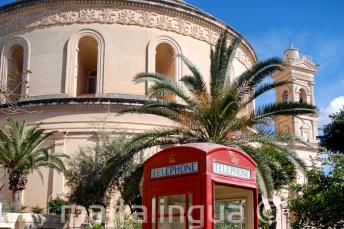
285	96
15	72
14	68
162	53
87	62
92	82
164	61
302	96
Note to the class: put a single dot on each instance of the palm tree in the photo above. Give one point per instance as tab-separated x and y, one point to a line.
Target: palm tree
221	114
22	152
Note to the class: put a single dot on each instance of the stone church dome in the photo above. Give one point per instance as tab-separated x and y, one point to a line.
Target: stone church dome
75	61
82	56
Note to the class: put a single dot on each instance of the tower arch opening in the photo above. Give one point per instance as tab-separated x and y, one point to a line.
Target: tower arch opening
285	96
15	72
87	66
302	96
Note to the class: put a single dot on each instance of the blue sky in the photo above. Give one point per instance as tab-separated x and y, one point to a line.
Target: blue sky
315	27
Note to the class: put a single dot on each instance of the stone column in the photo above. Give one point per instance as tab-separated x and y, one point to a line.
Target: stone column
58	178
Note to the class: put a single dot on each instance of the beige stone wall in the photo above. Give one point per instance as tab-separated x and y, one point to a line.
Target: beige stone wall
127	35
77	126
125	56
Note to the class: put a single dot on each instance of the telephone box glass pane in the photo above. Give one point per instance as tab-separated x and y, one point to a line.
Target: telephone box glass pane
174	204
189	200
171	212
231	214
172	223
233	208
153	212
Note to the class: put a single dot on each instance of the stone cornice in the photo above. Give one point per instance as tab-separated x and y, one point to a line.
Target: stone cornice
314	149
172	16
119	101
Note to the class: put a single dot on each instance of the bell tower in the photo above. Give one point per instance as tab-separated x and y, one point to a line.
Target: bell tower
300	72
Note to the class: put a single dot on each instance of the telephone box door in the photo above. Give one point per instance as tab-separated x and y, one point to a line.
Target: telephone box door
170	206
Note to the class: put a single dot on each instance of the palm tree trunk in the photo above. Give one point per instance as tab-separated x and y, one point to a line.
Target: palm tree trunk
17	199
273	209
17	182
88	216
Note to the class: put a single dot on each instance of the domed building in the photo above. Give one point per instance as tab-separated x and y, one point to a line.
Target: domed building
82	55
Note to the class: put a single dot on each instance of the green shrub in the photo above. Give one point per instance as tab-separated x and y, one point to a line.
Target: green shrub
127	222
7	205
37	210
55	205
96	226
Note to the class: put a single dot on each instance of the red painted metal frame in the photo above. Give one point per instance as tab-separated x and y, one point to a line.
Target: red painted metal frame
200	184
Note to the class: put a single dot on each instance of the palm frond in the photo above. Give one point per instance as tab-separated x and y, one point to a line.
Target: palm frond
220	116
217	58
195	82
153	77
231	54
159	111
264	174
144	141
261	89
284	108
249	79
162	86
162	89
23	149
193	85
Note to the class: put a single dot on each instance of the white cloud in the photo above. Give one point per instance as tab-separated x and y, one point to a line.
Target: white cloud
335	105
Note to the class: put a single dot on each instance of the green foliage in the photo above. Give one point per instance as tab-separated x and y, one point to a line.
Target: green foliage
22	152
125	178
7	205
131	188
96	226
37	210
10	93
221	113
320	202
55	205
126	221
90	180
333	133
265	219
282	167
84	177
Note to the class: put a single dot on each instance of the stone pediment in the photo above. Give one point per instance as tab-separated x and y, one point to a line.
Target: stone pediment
306	65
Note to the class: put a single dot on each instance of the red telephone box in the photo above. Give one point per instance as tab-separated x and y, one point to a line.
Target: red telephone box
200	185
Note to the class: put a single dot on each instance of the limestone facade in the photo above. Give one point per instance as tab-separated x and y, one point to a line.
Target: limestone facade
125	36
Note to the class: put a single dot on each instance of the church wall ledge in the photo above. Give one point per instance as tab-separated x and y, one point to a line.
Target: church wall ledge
62	99
65	99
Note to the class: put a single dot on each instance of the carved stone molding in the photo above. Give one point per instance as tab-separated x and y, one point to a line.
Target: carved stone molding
108	15
168	21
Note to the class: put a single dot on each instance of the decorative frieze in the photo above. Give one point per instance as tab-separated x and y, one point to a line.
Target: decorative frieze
111	15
